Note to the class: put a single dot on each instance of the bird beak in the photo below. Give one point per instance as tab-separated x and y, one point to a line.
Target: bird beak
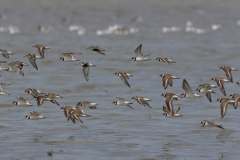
86	48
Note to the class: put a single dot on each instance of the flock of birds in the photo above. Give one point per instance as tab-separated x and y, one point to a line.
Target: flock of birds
74	113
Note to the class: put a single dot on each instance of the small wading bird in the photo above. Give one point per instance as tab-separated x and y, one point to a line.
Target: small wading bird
169	99
1	90
209	86
224	103
68	57
206	91
167	79
41	49
22	102
124	77
168	113
228	73
78	112
86	67
122	102
165	59
68	110
16	66
235	97
220	82
6	53
142	101
211	124
34	92
32	59
96	49
34	116
189	92
139	54
49	97
87	104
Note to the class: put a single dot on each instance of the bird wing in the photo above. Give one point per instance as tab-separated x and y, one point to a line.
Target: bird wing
73	119
229	75
208	95
98	51
5	55
68	55
221	87
66	111
17	67
33	62
86	72
145	103
138	51
130	106
165	81
169	104
165	59
77	118
120	99
4	84
223	106
40	100
170	82
34	113
22	99
54	101
186	87
1	88
34	93
165	109
215	124
99	48
123	78
79	104
138	99
177	110
124	74
41	51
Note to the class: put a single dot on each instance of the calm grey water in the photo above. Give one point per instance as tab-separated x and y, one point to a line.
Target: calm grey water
118	132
